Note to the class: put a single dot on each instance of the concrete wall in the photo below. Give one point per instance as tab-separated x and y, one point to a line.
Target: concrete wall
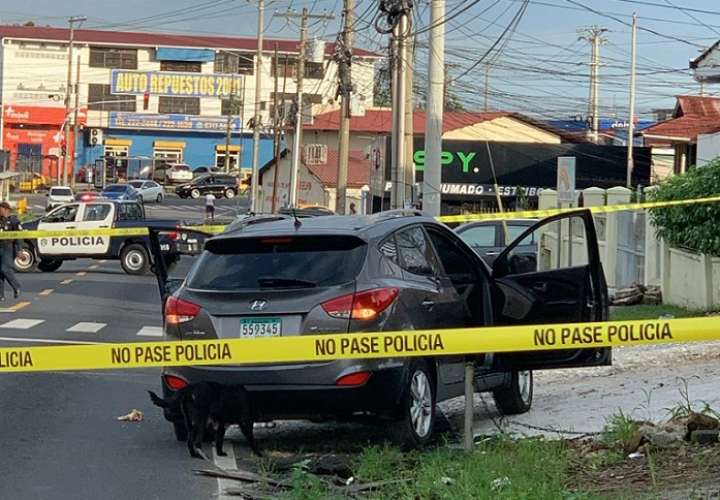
708	148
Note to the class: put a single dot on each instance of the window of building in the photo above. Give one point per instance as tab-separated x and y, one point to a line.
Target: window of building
315	154
100	99
314	70
119	155
287	67
230	106
181	66
112	57
167	156
179	105
235	62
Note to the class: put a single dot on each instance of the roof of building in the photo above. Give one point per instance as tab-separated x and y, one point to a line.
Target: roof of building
693	115
379	121
140	38
695	62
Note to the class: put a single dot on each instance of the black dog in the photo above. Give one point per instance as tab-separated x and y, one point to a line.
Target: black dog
210	404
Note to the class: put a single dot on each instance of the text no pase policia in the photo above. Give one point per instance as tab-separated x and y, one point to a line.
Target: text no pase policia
308	348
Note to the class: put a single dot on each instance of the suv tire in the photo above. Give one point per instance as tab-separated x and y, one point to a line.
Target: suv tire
134	259
195	193
25	259
230	193
49	265
517	397
159	198
417	406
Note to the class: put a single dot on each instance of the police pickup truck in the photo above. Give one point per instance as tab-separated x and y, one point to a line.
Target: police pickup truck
48	254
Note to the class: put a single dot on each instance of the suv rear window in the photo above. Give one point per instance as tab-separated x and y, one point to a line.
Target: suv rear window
60	192
278	262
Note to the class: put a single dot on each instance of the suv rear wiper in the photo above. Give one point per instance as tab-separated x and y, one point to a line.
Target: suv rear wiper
271	282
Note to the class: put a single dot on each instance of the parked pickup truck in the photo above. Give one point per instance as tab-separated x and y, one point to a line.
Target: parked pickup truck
48	254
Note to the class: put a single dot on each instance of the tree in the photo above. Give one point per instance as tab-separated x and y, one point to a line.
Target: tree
693	226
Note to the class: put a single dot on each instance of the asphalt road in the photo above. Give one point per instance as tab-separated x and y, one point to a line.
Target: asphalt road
60	435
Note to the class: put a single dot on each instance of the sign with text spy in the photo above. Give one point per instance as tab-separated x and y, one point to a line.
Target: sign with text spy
171	83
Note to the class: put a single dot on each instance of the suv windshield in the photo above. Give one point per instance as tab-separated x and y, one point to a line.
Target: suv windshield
278	262
60	192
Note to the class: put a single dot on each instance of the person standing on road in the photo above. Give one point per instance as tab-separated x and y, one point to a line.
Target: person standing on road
8	222
210	206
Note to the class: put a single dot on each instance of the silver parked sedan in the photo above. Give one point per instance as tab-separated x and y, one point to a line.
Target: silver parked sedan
149	191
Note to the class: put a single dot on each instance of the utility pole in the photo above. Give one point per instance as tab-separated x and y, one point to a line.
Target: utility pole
228	130
399	66
276	127
487	86
409	146
297	140
258	103
76	125
631	121
343	56
68	87
432	177
594	35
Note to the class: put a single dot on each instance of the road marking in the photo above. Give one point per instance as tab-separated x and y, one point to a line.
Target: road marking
66	282
22	324
46	292
18	306
226	463
87	327
150	331
45	341
81	273
94	266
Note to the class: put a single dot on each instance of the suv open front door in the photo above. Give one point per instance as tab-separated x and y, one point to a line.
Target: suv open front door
563	282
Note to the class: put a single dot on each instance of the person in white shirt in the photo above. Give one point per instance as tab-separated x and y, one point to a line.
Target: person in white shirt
210	206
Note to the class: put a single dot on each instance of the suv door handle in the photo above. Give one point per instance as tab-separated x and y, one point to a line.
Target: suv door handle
427	304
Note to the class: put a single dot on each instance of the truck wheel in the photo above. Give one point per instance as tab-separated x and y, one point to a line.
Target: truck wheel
417	406
195	194
25	259
49	265
134	259
517	397
229	193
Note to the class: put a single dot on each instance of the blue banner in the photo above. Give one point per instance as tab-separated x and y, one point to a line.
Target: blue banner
171	83
191	55
189	123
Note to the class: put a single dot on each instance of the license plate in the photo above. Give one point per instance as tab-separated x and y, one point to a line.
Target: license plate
165	247
260	327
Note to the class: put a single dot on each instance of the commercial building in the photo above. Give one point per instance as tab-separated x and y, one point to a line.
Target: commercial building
163	97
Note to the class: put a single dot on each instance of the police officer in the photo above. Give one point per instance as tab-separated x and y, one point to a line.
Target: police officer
8	222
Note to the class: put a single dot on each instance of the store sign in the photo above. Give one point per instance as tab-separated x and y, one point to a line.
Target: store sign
458	188
38	115
171	83
188	123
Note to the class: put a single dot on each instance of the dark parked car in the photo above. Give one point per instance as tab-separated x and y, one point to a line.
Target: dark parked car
488	238
120	192
217	184
391	271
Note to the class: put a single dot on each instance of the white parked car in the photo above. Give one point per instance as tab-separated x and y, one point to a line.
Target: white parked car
59	195
179	172
149	191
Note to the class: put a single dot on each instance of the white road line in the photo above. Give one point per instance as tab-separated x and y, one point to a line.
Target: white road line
87	327
45	341
22	324
228	463
150	331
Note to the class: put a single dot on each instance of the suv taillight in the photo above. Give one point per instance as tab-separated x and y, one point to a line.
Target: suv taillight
361	305
179	311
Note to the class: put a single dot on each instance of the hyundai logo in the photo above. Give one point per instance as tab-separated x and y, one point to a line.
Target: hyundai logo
258	305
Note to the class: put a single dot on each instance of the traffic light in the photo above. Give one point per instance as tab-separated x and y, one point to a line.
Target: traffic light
146	101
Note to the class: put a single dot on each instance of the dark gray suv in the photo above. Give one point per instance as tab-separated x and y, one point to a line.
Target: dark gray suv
386	272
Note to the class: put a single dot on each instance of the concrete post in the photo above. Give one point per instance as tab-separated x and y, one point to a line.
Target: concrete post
615	195
707	281
547	199
651	276
595	197
665	271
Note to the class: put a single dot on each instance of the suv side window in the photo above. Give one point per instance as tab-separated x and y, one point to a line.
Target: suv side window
458	266
96	211
416	255
389	249
66	213
129	211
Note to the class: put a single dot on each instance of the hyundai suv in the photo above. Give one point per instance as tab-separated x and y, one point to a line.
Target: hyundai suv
386	272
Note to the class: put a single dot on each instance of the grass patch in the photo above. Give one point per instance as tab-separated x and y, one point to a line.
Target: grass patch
498	468
623	313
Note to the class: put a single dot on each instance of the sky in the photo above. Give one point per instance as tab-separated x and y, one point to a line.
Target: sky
537	64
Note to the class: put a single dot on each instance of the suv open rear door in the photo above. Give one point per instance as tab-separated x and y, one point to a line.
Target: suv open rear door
562	282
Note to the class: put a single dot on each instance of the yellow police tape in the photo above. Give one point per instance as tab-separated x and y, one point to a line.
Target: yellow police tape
535	214
309	348
129	231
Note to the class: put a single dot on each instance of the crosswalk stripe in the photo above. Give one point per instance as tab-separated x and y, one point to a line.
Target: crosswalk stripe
22	324
150	331
87	327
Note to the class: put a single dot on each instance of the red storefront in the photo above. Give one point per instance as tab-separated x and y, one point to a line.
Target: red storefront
34	137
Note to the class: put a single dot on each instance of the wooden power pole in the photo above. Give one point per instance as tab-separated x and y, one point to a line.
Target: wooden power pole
343	56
